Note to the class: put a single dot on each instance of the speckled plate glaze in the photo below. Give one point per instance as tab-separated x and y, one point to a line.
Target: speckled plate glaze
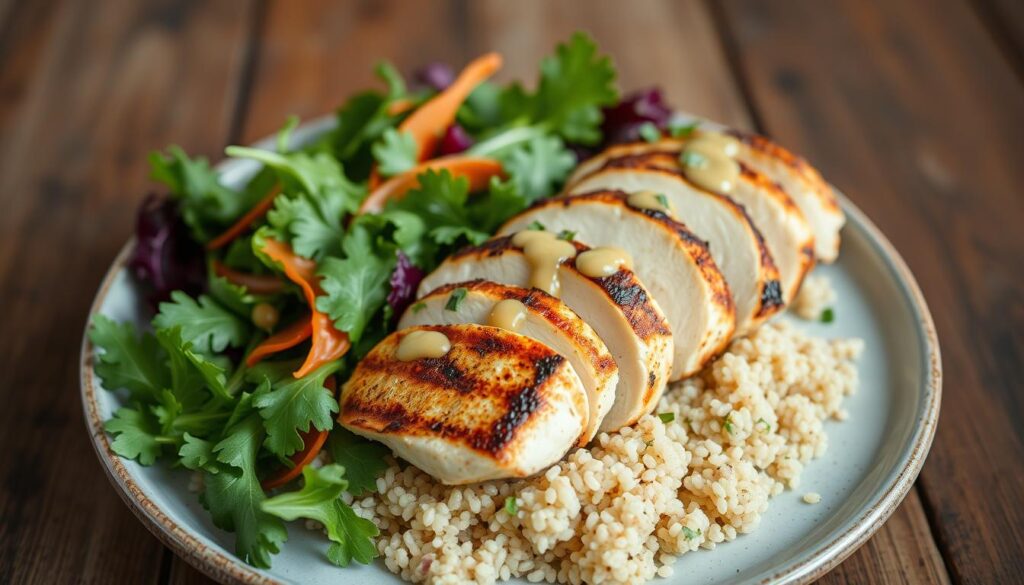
871	463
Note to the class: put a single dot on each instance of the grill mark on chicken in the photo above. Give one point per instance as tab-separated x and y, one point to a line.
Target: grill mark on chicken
371	407
519	407
541	303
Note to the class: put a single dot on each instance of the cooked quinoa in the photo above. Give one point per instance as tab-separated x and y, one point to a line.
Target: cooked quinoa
815	295
624	509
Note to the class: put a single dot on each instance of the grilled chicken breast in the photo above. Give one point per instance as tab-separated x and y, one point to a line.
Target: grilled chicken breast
674	264
497	405
617	307
796	177
735	243
546	319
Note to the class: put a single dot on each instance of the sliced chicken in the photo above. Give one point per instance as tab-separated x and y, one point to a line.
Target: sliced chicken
618	307
496	405
735	243
544	318
674	264
785	232
804	184
797	178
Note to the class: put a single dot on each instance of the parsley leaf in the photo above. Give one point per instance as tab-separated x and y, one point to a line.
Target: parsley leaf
567	235
392	78
206	205
319	195
690	533
208	326
319	500
667	417
292	405
440	201
828	315
536	226
677	129
234	497
455	299
362	459
190	371
395	152
511	506
356	287
197	454
126	360
692	158
136	435
649	132
538	166
575	84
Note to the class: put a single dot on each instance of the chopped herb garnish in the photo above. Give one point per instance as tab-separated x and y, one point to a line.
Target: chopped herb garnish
691	158
663	200
567	235
690	533
511	506
456	299
418	307
767	425
828	315
667	417
650	132
536	226
679	130
727	423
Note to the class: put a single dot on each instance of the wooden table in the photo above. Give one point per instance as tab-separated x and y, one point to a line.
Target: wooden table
914	108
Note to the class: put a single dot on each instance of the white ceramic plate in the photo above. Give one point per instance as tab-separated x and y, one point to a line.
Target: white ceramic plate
872	459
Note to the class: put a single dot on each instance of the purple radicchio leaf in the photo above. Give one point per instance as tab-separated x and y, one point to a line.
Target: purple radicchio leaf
454	141
404	281
436	76
622	121
165	258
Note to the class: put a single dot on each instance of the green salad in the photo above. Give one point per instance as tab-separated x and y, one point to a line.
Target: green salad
265	297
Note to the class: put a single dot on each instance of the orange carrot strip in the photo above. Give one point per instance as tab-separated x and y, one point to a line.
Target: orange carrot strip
312	442
428	122
400	106
255	283
478	170
238	228
328	344
287	338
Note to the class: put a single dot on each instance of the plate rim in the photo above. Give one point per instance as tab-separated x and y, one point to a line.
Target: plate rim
229	569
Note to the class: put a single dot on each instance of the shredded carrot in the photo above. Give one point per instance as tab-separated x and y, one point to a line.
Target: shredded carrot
400	106
328	344
287	338
478	170
312	442
428	122
255	283
238	228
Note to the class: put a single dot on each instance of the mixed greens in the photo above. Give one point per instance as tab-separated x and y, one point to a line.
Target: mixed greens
265	297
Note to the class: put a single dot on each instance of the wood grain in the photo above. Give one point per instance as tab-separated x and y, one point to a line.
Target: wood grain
911	108
87	92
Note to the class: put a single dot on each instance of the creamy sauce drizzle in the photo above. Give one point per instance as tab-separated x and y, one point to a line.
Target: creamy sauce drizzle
708	161
507	314
422	344
603	261
544	252
650	200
